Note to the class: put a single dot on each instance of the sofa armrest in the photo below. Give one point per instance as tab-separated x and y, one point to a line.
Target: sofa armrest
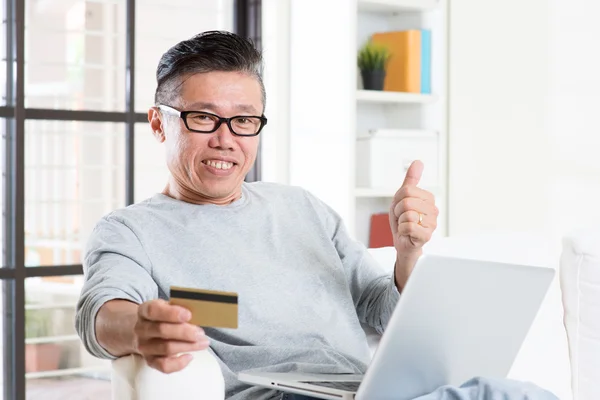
580	285
133	379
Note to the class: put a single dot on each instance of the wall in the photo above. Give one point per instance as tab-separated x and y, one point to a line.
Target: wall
322	108
497	110
574	126
275	136
523	126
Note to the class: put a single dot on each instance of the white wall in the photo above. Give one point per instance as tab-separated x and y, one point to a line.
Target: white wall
497	115
524	132
322	108
573	114
275	136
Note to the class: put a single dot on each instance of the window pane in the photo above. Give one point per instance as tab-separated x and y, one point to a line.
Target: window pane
150	169
178	20
75	55
74	175
56	363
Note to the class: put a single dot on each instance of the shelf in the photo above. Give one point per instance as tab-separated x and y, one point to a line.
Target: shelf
394	6
382	97
374	192
66	372
385	192
50	306
52	339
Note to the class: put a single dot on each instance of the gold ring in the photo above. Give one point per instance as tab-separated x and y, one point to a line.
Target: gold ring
420	218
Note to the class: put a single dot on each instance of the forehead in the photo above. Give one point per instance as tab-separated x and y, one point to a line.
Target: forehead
224	90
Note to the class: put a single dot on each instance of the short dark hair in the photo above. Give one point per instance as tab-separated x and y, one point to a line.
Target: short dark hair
206	52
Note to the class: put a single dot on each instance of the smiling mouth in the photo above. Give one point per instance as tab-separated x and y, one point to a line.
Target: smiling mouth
224	165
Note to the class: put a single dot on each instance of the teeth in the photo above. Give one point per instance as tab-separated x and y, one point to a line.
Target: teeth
219	164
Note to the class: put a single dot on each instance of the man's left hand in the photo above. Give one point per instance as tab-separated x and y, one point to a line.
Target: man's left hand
413	218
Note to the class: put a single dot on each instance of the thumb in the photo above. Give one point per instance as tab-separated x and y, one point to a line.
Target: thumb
414	173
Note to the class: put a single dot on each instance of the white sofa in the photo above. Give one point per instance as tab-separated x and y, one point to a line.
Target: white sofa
543	359
580	282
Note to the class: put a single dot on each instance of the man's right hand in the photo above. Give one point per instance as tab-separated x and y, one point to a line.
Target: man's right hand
162	332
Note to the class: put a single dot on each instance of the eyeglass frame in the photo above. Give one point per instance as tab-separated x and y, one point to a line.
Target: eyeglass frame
183	115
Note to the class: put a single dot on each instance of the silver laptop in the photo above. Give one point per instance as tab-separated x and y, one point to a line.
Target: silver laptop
456	319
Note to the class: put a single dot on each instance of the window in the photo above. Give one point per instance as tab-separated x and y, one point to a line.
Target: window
75	55
74	142
74	174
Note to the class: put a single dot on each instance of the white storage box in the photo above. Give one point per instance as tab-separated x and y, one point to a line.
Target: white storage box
383	157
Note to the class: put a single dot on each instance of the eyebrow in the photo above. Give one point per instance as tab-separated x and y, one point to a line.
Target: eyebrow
213	107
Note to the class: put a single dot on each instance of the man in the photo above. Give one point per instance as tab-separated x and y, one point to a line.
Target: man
304	285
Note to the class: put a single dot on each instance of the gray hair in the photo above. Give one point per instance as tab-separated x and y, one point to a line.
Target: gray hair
206	52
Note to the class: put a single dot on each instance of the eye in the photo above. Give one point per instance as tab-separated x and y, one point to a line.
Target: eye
201	117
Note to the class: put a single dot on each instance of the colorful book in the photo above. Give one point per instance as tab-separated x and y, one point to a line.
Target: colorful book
409	67
380	233
426	61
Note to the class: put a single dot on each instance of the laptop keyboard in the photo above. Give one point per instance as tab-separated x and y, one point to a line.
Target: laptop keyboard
348	386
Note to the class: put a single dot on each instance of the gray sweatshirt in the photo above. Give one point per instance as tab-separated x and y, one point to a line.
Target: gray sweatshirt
304	285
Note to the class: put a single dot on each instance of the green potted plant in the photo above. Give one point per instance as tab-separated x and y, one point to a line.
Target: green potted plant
372	61
42	356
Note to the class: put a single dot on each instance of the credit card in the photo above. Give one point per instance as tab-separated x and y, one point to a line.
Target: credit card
209	308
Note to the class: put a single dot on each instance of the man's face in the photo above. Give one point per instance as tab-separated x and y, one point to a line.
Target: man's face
212	166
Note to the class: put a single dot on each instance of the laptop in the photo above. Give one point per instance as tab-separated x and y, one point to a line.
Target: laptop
456	319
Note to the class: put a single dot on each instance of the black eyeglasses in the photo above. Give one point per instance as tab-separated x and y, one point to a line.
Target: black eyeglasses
205	122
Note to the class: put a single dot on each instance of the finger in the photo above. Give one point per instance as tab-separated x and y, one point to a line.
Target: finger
160	347
418	234
393	220
426	221
413	174
414	204
160	310
416	192
409	216
169	365
166	330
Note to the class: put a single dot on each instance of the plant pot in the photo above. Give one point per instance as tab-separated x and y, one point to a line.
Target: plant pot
42	357
373	79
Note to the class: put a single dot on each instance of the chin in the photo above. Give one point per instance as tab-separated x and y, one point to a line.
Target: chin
221	190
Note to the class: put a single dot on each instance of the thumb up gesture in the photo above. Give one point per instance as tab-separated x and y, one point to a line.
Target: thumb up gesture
413	214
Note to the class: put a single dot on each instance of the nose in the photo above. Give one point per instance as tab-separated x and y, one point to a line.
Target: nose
222	138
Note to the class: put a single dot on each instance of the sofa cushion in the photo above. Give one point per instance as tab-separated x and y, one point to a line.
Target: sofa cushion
580	283
133	379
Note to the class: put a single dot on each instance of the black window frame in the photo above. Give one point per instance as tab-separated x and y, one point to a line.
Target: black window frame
13	271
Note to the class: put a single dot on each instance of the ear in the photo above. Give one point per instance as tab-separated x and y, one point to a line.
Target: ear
156	124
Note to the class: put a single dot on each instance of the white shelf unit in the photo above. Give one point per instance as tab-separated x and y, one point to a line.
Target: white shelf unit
396	6
94	372
374	192
380	97
385	193
403	111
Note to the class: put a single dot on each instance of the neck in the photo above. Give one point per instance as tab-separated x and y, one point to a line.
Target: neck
180	192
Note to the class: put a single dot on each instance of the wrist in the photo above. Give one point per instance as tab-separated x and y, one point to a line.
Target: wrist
405	263
409	255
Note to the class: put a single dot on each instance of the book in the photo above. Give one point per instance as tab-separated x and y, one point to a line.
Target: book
409	67
425	61
380	233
